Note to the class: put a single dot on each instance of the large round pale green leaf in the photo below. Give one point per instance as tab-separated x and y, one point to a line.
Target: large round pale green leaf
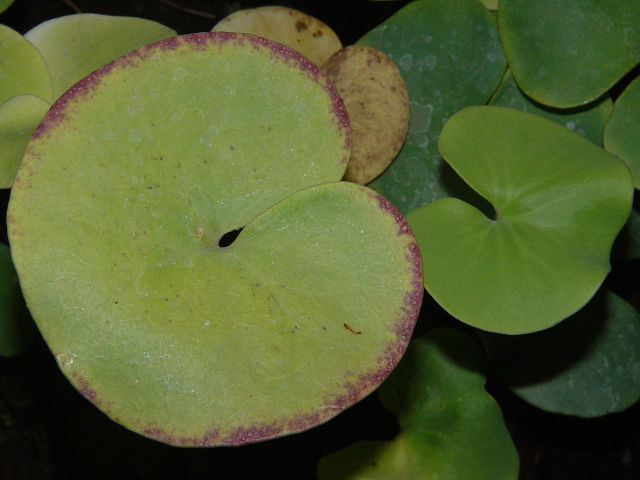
19	117
622	135
22	69
559	203
451	428
115	221
588	121
75	45
589	365
16	328
566	53
450	56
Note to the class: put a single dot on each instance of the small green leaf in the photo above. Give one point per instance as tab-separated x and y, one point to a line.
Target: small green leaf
450	57
75	45
22	69
16	327
559	201
451	428
19	117
588	121
622	134
589	365
4	4
566	53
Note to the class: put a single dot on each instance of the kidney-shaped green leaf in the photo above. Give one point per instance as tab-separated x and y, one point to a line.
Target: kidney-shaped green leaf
622	135
566	53
559	203
22	69
16	328
19	117
75	45
118	222
589	365
450	57
451	428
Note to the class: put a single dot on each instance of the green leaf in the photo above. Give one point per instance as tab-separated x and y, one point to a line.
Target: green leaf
22	69
450	56
559	201
16	328
75	45
4	4
588	121
622	134
451	428
589	365
566	53
116	220
19	117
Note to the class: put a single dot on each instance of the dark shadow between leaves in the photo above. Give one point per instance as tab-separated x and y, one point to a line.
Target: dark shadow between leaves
534	358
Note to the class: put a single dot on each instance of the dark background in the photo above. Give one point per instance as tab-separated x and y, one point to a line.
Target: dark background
49	431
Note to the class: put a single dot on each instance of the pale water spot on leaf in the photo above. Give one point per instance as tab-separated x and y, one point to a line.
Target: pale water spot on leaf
430	61
629	35
493	57
65	359
135	135
571	125
209	135
518	104
178	74
420	120
571	49
134	109
406	61
206	323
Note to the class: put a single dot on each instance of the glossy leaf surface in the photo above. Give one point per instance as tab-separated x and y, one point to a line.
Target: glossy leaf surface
567	53
589	365
450	57
559	203
75	45
23	69
450	427
116	219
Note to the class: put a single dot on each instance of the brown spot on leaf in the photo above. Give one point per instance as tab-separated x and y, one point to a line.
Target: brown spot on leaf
301	26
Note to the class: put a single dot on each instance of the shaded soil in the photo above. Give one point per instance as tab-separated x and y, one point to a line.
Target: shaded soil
48	431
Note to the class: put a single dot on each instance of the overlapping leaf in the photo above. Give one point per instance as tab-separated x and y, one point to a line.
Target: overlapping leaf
586	366
450	427
450	56
566	53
